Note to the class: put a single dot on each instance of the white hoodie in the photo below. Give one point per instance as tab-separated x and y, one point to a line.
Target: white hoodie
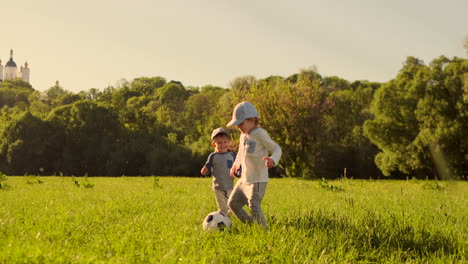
253	147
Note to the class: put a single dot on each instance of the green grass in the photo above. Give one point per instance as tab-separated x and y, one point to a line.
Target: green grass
159	220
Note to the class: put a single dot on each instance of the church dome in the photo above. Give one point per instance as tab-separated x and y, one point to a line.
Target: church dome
10	63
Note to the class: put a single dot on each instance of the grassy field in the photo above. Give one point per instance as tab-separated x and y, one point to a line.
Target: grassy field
159	220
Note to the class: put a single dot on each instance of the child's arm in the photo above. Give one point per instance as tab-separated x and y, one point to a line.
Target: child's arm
273	148
235	169
209	163
204	170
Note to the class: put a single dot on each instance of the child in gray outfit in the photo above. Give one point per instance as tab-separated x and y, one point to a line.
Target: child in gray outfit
219	163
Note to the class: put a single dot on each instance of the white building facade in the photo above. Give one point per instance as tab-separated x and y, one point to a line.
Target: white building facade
10	70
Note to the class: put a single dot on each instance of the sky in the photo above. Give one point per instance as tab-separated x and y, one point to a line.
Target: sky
96	43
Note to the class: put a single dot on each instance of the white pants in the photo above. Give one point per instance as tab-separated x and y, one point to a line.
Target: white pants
251	195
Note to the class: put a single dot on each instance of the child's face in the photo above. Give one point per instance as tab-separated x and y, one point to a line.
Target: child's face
221	143
247	125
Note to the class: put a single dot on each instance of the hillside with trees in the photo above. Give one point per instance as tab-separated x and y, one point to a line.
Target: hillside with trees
411	126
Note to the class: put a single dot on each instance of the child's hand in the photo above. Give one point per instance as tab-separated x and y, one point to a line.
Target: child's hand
233	171
269	162
204	170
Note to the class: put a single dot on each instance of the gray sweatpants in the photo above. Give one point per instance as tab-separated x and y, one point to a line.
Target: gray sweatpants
251	195
221	197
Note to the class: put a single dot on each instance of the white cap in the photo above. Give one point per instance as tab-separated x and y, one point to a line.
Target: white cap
242	111
218	131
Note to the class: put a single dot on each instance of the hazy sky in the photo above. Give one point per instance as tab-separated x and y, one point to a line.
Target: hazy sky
95	43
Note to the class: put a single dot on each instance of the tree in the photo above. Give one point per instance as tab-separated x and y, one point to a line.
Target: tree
334	83
147	86
201	115
137	115
241	85
26	146
16	83
173	95
92	94
344	147
54	92
422	109
15	91
200	107
37	105
88	134
442	114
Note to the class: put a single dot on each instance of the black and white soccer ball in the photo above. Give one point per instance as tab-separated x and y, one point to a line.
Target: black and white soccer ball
216	221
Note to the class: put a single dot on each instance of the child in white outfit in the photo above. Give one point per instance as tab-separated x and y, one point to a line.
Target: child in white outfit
254	146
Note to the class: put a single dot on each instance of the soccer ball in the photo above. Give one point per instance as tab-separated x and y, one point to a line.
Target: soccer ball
216	221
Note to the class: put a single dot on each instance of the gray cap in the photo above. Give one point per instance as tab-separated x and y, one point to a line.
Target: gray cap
218	131
242	111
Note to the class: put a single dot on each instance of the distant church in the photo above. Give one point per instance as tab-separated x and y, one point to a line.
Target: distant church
10	71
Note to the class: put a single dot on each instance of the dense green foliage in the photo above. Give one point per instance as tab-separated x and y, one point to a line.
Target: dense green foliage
421	119
328	127
159	220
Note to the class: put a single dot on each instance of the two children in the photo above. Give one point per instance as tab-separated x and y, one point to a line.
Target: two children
254	146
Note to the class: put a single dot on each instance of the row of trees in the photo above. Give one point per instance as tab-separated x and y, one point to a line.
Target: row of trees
327	127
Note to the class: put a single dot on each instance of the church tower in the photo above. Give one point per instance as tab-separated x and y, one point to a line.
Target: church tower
10	68
25	72
10	71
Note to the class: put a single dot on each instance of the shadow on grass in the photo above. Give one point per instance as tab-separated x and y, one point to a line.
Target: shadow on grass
373	233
